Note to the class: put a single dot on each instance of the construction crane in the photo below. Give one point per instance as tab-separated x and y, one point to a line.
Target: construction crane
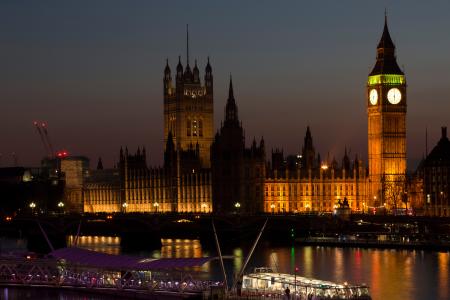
41	129
47	138
38	130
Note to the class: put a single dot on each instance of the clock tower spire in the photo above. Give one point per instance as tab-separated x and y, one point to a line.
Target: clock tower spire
386	112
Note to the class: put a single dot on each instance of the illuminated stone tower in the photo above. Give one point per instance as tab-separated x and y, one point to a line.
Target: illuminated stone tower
386	111
188	109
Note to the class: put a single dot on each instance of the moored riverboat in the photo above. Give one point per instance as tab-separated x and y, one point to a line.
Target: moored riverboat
263	282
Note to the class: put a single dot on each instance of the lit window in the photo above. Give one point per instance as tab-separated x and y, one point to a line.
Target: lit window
194	128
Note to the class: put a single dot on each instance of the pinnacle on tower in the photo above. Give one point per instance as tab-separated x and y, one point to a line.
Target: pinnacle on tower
179	70
386	40
208	66
196	73
167	68
187	44
231	111
230	89
99	164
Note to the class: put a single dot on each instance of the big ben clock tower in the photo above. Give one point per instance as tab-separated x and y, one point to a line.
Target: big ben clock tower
386	112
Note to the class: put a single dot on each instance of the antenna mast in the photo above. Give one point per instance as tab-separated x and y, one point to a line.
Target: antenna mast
187	44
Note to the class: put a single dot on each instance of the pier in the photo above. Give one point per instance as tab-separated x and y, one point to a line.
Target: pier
106	274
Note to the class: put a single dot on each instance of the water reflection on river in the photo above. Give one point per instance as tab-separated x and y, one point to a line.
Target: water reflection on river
391	274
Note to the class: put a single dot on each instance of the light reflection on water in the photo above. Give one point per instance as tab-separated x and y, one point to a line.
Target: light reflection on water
105	244
391	274
443	266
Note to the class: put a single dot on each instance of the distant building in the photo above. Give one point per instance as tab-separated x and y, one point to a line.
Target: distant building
74	169
202	173
238	173
435	172
21	186
315	186
183	184
101	191
189	110
386	112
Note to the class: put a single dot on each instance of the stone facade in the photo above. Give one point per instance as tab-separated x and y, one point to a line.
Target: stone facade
238	172
101	191
314	185
435	172
75	169
189	110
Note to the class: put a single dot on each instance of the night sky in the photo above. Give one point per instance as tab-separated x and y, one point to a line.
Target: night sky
93	70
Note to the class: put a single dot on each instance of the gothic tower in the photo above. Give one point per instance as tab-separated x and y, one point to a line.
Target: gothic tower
188	109
386	112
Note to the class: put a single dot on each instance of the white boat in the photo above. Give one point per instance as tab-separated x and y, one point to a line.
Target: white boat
263	282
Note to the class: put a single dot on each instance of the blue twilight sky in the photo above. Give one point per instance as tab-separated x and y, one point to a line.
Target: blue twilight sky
93	70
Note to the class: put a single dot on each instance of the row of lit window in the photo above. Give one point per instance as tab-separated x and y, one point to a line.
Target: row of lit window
315	188
299	205
306	193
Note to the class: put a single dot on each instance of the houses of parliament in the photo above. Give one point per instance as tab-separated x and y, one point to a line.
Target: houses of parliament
219	171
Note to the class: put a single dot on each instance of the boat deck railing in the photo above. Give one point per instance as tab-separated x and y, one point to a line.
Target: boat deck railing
271	285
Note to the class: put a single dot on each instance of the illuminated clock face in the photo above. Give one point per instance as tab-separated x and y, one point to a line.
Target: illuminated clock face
373	97
394	96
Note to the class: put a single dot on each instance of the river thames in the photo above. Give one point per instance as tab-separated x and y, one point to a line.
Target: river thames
391	274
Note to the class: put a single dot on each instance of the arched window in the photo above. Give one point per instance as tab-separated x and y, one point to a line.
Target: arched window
194	128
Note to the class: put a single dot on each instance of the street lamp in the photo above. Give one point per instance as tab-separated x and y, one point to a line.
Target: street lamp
32	206
61	206
237	205
272	206
156	205
124	205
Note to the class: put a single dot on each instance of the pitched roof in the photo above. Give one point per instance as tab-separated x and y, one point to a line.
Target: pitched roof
386	41
386	60
441	152
124	262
